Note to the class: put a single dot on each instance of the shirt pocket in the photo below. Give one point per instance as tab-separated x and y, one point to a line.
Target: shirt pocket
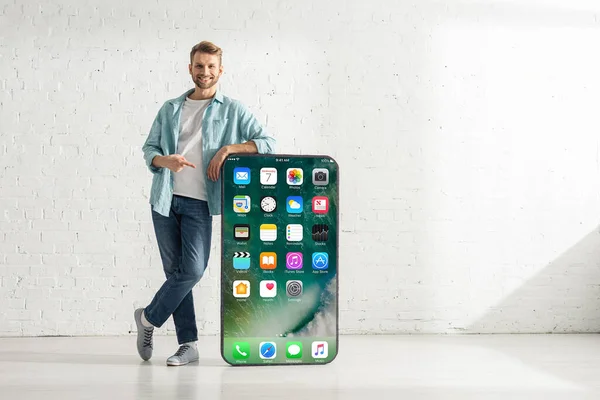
217	132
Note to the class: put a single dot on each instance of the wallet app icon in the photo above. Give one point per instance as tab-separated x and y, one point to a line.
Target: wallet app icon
241	232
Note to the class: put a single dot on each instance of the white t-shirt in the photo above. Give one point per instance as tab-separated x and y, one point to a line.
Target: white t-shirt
191	182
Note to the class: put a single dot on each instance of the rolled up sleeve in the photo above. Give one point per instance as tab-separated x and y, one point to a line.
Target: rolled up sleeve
151	147
252	130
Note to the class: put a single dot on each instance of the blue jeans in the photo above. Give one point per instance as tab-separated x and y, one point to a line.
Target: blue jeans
184	245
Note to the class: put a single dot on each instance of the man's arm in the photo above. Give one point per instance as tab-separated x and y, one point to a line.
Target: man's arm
252	130
248	147
151	147
174	162
153	153
217	161
256	141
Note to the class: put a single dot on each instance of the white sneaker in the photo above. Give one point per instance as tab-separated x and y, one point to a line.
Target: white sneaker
185	355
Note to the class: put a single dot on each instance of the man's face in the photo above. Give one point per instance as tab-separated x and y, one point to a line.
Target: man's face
205	70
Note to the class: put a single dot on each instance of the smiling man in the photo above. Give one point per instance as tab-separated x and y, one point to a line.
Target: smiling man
191	137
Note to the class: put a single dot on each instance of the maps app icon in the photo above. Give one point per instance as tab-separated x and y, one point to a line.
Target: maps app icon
241	204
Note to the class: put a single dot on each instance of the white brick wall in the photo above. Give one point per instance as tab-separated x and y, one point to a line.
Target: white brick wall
467	134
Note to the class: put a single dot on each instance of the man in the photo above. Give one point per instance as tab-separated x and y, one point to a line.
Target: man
190	139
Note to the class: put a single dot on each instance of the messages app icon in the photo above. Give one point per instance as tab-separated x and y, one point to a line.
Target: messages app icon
294	350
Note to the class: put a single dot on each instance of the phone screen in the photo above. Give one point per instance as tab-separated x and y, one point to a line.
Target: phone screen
279	266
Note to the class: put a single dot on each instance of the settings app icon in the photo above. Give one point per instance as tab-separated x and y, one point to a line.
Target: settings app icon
294	288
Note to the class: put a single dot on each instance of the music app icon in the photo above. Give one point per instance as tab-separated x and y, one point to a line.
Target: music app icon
293	260
319	350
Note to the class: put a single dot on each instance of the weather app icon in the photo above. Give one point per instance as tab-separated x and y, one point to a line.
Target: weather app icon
294	204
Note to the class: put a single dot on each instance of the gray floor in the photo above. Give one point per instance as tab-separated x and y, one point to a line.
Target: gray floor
368	367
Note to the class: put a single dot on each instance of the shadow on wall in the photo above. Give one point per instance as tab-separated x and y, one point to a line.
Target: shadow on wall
571	284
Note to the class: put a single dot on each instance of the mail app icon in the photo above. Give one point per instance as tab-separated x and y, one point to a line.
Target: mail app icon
241	176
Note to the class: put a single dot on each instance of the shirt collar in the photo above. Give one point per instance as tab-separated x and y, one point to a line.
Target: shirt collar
179	100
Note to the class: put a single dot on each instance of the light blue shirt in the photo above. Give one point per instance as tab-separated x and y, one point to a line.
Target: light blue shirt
226	121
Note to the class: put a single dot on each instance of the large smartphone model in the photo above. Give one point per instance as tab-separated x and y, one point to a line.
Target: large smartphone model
279	259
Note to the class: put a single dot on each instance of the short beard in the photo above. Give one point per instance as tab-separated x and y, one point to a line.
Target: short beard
201	85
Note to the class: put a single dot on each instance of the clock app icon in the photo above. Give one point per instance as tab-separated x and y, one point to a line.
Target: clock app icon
268	204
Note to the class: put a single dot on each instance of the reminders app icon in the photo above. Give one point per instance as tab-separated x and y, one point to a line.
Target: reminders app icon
294	232
241	175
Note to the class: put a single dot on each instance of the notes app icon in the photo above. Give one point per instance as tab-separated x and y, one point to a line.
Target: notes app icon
319	350
268	232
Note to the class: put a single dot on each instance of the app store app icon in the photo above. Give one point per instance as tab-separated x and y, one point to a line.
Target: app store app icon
320	261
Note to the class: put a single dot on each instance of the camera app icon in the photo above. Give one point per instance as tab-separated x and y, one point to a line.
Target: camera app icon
320	176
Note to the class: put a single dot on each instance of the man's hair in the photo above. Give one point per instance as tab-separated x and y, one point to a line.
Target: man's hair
206	47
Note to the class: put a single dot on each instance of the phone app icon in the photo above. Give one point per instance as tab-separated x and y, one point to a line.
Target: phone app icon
320	176
294	288
268	232
320	261
294	232
320	232
268	204
241	260
268	176
293	350
241	289
293	260
241	204
268	288
320	349
241	350
294	204
268	350
320	204
294	176
268	260
241	175
241	232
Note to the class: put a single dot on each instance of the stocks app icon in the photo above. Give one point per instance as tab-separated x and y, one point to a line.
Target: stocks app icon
320	232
